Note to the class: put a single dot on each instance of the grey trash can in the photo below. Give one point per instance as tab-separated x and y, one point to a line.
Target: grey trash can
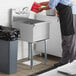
8	49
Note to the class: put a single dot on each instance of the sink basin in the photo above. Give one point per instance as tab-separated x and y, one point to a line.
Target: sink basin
31	30
26	20
32	21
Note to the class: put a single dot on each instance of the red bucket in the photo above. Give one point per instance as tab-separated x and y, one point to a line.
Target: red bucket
35	5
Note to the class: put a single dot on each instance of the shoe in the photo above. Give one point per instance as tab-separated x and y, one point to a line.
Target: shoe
58	64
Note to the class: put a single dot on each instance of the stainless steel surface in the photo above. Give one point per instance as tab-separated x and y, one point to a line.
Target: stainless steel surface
29	51
51	12
26	20
31	55
32	30
67	74
45	44
32	21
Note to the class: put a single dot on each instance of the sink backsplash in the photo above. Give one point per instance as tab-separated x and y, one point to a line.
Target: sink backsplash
21	12
26	13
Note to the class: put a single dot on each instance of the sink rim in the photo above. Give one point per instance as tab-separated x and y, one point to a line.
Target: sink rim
26	20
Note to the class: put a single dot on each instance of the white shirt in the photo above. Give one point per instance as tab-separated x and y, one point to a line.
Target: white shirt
54	3
74	7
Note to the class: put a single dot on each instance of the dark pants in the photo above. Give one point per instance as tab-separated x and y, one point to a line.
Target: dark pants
68	44
74	23
67	31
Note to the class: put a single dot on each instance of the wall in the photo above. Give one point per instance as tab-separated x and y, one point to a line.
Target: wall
5	5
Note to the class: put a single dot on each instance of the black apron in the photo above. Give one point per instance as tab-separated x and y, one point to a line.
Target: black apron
66	19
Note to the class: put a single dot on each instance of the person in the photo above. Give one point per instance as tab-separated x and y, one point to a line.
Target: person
66	25
74	23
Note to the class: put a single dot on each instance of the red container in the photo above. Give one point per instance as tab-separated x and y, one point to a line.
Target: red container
33	8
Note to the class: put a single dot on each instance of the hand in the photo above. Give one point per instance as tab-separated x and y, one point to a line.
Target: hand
40	4
40	9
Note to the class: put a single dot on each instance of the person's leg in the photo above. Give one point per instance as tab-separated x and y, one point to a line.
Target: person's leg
69	46
66	47
75	33
73	54
74	22
72	50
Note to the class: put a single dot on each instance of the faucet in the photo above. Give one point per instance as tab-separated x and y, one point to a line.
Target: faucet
25	10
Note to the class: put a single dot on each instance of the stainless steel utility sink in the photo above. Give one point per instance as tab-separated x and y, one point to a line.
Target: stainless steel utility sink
31	29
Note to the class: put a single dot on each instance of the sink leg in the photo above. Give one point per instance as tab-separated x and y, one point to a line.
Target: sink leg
31	57
45	44
29	51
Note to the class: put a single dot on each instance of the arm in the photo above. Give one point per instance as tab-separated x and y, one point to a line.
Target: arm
44	3
43	8
46	7
51	4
